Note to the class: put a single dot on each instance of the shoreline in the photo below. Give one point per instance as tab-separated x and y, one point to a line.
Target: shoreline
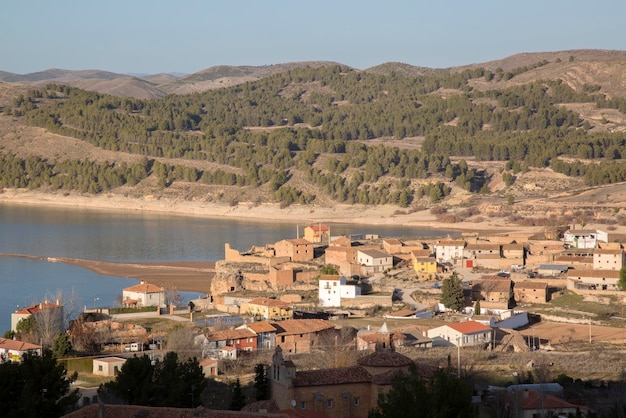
339	213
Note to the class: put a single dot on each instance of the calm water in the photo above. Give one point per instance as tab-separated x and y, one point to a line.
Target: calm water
121	237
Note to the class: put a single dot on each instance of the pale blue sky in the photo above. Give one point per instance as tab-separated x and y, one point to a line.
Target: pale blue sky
135	36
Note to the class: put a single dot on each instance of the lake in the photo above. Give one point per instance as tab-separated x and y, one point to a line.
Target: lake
123	237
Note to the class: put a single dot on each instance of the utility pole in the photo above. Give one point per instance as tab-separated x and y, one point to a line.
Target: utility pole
458	356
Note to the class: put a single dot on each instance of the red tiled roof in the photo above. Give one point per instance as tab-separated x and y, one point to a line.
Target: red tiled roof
301	326
261	326
298	241
31	310
530	399
144	288
528	284
319	228
17	345
469	327
339	376
230	334
609	274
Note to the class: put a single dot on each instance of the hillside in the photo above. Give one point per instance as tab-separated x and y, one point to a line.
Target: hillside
537	144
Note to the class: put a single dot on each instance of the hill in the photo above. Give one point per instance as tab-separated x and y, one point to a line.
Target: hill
470	144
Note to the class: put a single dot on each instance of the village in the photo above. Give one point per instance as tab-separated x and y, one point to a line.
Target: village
334	317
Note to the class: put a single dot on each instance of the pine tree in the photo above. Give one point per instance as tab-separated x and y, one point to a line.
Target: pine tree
238	399
452	293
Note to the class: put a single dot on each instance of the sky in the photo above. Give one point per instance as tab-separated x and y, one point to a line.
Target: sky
186	36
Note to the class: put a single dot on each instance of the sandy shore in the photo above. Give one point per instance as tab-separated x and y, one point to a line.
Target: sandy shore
339	213
187	276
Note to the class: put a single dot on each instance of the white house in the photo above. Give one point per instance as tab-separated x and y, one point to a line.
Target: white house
608	258
374	261
584	238
461	334
449	250
13	350
333	287
49	313
144	294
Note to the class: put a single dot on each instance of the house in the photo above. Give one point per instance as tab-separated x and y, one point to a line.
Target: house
317	234
49	313
266	308
345	258
341	241
301	335
583	238
593	280
424	265
265	334
461	334
338	392
449	250
374	261
209	367
108	366
530	291
332	288
480	250
237	339
494	293
228	353
392	245
552	269
13	350
144	294
514	251
296	249
608	258
530	403
369	339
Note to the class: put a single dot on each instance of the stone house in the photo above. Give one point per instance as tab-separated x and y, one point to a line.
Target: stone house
337	393
297	336
266	308
209	367
240	340
345	258
531	291
493	293
593	280
296	249
608	258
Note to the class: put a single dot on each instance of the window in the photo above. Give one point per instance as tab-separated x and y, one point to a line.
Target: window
329	403
100	368
303	405
357	401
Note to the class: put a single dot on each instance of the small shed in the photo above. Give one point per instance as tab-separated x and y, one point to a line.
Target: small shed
209	366
108	366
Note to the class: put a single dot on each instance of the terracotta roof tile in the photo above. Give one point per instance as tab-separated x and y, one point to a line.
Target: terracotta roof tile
261	326
17	345
344	375
301	326
144	288
230	334
469	327
268	303
609	274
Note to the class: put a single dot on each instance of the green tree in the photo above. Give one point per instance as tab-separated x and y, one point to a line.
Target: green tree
36	387
452	293
477	308
510	199
61	345
444	396
142	383
238	399
261	382
329	269
621	283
